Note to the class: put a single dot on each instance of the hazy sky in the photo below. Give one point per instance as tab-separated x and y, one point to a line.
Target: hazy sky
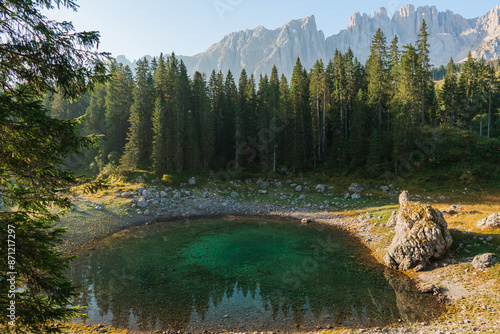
148	27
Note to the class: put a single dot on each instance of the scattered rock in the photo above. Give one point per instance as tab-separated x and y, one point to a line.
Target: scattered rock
234	194
147	213
427	288
421	235
299	188
384	188
331	187
454	209
355	196
140	179
320	188
262	192
192	181
278	184
483	261
492	221
264	185
302	197
355	188
142	202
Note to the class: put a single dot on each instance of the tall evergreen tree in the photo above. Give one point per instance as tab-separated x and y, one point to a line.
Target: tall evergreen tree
139	145
300	122
160	119
424	72
275	124
119	99
449	95
204	114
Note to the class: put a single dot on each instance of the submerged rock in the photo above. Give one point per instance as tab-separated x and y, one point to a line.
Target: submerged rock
421	235
492	221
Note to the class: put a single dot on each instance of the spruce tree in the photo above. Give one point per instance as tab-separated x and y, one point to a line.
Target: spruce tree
449	95
118	102
424	72
138	149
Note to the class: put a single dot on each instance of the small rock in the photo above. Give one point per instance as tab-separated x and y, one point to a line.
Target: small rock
234	194
320	188
299	188
262	192
483	261
192	181
355	196
302	197
140	179
306	221
264	185
356	188
492	221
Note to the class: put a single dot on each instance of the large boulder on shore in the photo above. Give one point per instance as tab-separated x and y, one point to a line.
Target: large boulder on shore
421	235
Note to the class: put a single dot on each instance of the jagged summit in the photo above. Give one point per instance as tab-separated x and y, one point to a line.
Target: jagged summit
257	50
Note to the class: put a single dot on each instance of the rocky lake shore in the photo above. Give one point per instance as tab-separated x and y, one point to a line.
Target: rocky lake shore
471	296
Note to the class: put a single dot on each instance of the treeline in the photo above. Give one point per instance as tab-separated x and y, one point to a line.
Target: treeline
343	114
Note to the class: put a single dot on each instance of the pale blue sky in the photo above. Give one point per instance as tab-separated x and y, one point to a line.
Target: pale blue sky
148	27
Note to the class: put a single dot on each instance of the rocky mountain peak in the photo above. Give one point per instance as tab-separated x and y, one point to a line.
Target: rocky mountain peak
257	50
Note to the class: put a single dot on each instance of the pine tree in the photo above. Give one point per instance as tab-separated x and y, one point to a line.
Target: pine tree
301	120
448	95
160	119
118	102
468	87
377	70
286	118
265	135
230	111
138	149
275	123
424	71
203	114
318	91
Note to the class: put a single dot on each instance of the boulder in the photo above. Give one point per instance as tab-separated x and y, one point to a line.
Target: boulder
355	188
421	235
483	261
192	181
492	221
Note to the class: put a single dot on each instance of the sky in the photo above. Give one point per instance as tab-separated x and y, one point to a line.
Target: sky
187	27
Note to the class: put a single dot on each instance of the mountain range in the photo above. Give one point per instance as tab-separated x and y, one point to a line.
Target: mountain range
257	50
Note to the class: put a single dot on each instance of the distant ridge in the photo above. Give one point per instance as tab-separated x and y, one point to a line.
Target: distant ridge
257	50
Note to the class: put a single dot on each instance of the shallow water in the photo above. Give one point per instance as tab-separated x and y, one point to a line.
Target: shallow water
241	275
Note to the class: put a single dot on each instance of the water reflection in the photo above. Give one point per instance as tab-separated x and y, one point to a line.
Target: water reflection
240	275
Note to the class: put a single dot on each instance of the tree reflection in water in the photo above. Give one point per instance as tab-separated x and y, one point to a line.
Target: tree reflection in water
241	274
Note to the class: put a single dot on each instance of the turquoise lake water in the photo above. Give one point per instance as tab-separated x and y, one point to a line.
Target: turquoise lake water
241	275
